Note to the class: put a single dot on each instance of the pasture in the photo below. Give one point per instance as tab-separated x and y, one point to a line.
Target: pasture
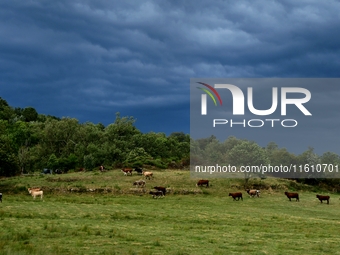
101	213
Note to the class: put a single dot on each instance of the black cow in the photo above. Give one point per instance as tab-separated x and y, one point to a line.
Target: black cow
1	197
58	171
139	170
156	194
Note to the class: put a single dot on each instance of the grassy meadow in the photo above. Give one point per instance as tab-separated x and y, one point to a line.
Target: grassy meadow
101	213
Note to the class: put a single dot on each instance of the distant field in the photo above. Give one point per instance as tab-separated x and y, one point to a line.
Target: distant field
114	219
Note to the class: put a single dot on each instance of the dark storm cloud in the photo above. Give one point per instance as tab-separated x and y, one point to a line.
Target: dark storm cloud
91	59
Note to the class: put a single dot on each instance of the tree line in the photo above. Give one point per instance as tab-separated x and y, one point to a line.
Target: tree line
30	141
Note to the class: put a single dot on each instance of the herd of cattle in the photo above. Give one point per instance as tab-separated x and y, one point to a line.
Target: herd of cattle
160	191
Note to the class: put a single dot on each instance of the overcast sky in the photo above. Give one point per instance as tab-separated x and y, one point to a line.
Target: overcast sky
91	59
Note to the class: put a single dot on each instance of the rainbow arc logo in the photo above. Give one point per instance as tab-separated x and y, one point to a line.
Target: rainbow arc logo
204	97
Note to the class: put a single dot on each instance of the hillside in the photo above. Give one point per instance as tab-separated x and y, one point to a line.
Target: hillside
115	182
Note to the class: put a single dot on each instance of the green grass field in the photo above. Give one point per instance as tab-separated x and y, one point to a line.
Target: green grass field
115	219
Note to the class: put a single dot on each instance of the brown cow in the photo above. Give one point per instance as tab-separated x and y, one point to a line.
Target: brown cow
320	197
253	192
202	183
291	195
163	189
235	195
127	171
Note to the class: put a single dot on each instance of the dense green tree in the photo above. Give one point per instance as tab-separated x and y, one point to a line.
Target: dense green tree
59	137
308	160
179	146
53	162
248	154
71	162
231	142
6	113
119	136
281	156
203	142
30	114
8	160
214	153
180	137
330	158
23	158
3	103
89	162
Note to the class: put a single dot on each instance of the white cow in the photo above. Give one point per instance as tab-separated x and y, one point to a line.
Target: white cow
148	175
36	192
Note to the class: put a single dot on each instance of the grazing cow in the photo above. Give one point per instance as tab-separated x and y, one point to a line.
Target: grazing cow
163	189
35	193
58	171
235	195
291	195
1	197
156	194
148	175
127	171
101	168
253	192
320	197
202	183
139	183
138	170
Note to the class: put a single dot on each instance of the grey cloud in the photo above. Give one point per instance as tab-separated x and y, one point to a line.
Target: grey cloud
90	59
